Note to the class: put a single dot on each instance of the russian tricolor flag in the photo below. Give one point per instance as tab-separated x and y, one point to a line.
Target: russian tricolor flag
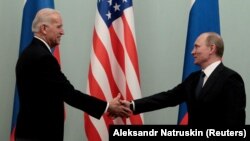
203	17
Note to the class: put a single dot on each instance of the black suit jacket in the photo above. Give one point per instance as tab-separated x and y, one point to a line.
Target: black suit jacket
222	100
43	89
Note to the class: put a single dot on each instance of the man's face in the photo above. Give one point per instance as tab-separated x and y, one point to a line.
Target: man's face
54	31
201	52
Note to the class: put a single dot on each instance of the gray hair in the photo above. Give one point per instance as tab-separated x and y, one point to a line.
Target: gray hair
43	17
216	39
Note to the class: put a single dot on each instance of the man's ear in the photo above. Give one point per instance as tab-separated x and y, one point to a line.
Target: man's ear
43	28
212	48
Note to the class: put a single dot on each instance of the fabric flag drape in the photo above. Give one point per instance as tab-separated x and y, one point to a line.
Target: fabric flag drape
203	17
29	11
114	64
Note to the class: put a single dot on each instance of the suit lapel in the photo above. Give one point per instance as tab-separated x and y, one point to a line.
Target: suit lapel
215	75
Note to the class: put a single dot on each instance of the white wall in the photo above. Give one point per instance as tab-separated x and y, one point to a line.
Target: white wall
160	26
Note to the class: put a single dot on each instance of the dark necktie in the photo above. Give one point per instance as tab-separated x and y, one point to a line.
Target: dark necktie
200	84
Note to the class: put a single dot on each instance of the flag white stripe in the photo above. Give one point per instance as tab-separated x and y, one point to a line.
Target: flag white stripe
130	19
132	80
100	75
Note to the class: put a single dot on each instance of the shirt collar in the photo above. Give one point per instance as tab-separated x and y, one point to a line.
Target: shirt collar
208	70
44	43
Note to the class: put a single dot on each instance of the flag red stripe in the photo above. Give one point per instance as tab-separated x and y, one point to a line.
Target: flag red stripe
131	47
184	120
12	135
92	135
94	88
117	48
96	91
56	53
103	57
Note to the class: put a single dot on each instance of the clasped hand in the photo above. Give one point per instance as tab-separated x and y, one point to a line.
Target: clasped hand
119	108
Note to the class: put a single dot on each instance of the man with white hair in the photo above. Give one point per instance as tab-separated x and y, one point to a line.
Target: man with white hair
43	88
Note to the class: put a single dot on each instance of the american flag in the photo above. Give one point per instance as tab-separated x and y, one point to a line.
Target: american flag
114	64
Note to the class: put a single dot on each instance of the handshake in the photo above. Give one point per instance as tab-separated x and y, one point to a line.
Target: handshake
119	108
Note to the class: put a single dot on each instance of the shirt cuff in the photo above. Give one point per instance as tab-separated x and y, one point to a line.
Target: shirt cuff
106	109
132	105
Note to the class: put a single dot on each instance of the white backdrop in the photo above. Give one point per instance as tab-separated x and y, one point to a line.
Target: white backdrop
160	26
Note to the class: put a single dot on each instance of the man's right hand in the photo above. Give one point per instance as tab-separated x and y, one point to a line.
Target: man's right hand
117	109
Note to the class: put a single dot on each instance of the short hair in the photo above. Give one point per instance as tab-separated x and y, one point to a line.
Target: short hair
43	16
216	39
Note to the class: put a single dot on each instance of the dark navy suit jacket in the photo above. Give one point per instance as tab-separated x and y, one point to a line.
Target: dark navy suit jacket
222	100
43	89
